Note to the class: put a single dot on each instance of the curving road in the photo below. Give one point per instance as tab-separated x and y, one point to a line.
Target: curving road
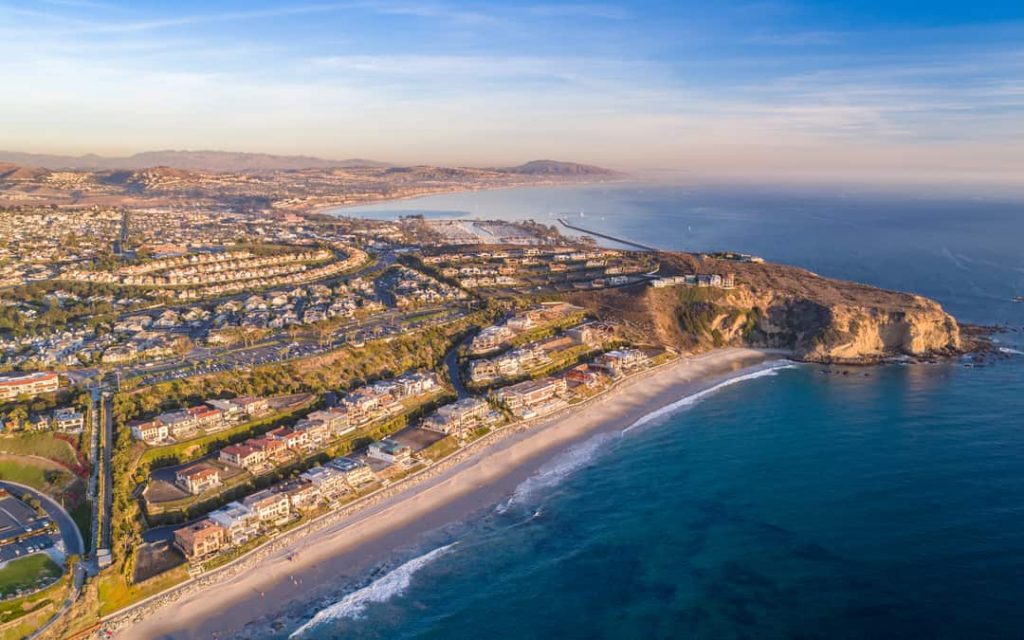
73	543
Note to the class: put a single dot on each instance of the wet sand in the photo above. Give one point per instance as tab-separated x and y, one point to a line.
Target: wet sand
347	550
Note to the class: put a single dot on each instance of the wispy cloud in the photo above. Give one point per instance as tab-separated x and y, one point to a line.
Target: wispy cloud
602	82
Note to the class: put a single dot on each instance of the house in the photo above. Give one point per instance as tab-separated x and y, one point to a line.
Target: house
199	540
530	393
389	451
490	338
228	409
317	432
181	423
198	478
149	431
242	455
591	334
38	422
302	495
68	420
206	417
583	375
271	508
457	417
274	450
27	384
239	522
336	420
621	361
291	438
251	405
417	383
357	473
329	480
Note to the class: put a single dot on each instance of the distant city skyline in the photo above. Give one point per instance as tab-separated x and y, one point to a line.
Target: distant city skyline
895	90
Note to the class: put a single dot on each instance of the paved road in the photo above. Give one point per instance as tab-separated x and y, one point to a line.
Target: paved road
451	362
69	532
108	473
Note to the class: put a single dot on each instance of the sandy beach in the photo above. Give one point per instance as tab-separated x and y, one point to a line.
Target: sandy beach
349	549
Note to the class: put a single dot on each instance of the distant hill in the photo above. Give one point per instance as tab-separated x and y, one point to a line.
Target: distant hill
210	161
555	168
12	172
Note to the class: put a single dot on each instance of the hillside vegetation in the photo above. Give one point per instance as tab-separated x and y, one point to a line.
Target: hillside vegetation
777	306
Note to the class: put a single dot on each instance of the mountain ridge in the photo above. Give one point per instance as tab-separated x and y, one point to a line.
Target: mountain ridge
245	162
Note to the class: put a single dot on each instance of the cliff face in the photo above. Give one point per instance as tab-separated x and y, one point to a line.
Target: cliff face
855	333
819	319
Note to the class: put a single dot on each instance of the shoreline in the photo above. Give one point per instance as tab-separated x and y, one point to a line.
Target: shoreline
369	534
327	209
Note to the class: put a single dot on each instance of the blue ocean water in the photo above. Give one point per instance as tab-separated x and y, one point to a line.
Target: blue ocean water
885	503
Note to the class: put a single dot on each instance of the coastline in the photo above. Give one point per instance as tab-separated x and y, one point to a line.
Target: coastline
477	477
328	209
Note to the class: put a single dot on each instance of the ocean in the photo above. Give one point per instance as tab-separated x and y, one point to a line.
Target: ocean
797	502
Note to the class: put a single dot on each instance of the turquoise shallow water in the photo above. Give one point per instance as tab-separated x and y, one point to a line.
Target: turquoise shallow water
886	503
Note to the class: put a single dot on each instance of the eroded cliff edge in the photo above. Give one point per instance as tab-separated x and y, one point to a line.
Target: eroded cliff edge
818	319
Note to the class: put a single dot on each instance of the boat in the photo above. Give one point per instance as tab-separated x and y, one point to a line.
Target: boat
1018	298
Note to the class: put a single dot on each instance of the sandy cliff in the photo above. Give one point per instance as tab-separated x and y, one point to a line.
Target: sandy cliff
820	319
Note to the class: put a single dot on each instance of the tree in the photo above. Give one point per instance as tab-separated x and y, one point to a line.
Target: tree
181	346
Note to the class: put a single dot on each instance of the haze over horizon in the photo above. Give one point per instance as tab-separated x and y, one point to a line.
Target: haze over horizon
900	90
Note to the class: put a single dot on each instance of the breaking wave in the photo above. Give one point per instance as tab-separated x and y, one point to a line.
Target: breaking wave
770	370
558	469
1009	351
580	455
393	584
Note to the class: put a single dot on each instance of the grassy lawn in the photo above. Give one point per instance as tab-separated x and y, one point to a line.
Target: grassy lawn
26	573
33	609
115	593
441	448
48	477
82	515
43	445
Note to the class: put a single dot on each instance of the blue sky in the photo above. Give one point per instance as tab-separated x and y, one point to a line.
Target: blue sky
888	88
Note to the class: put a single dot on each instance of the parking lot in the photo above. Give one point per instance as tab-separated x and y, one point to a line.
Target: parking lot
28	546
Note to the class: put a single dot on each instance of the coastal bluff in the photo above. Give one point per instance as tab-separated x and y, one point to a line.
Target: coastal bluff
778	306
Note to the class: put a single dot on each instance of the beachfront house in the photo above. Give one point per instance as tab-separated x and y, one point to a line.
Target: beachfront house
330	481
621	361
388	450
271	508
457	417
240	523
531	393
357	473
200	540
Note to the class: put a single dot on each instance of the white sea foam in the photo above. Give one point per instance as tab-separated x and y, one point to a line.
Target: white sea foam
683	403
558	469
381	590
1010	351
580	455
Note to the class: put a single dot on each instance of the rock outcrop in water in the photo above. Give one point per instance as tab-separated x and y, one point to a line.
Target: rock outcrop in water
819	319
